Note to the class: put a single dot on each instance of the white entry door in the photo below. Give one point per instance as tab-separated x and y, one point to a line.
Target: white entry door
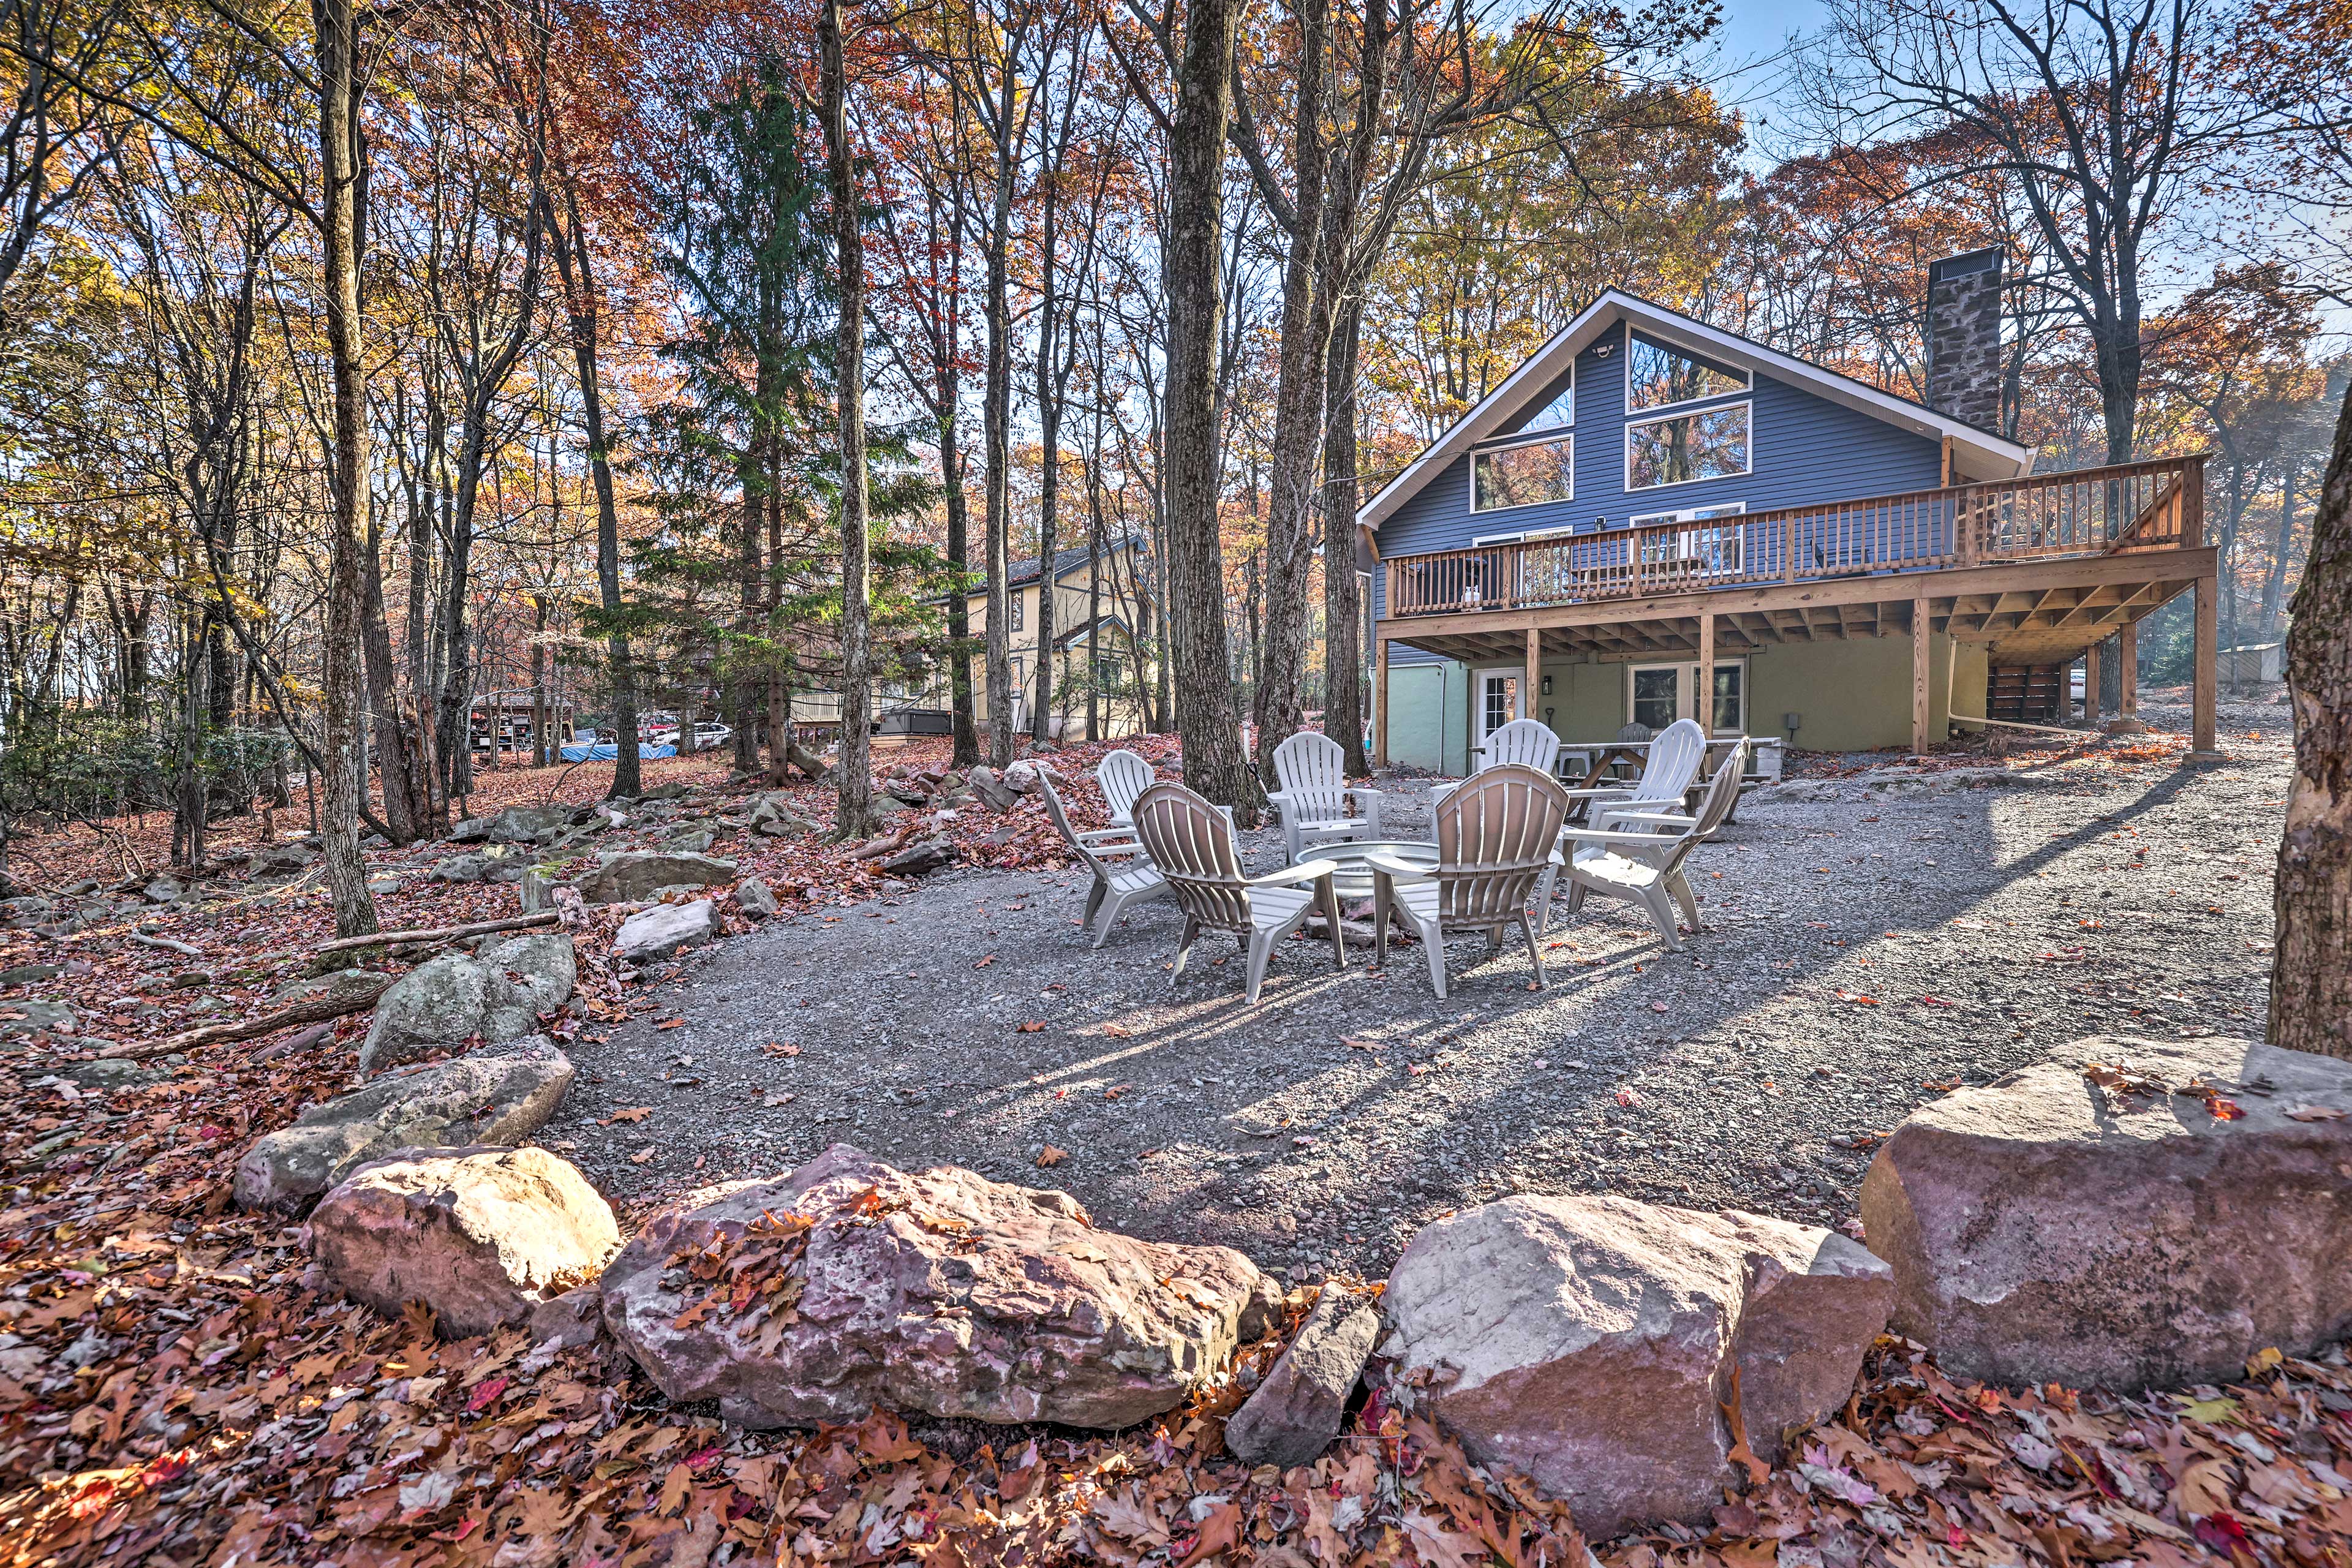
1498	700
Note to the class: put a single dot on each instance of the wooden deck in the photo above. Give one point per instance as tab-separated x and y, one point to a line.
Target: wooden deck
2040	570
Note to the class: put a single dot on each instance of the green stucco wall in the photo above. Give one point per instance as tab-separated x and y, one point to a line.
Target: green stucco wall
1854	696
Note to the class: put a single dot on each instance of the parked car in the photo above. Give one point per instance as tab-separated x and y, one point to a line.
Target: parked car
710	737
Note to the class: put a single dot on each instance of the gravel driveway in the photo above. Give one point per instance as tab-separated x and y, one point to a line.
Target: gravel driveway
1867	947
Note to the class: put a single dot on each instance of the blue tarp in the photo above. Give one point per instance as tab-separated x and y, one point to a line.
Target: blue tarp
609	753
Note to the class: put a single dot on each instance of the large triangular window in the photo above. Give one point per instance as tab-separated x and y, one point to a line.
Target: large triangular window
1559	412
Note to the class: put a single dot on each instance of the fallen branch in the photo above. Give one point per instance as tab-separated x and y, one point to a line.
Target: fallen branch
440	934
166	944
313	1010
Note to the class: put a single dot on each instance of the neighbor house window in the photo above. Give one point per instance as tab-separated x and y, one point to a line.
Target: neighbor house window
1016	603
1524	475
1710	444
1656	375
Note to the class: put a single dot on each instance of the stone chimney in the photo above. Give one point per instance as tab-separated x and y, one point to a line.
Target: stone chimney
1964	338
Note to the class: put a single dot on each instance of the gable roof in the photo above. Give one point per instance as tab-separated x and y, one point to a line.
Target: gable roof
1975	453
1021	573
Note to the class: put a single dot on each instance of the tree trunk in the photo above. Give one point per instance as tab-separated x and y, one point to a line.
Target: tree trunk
996	417
1193	286
2282	549
1304	343
341	152
967	733
2311	977
1343	607
854	814
572	260
1049	476
400	804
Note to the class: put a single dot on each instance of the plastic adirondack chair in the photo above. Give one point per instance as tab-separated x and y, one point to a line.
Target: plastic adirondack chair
1121	776
1192	842
1494	838
1671	763
1674	762
1526	743
1115	887
1312	802
1638	855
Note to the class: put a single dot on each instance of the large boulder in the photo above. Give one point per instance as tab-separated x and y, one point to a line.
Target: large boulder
1293	1415
494	996
2116	1226
482	1236
485	1099
940	1292
664	929
1589	1343
631	876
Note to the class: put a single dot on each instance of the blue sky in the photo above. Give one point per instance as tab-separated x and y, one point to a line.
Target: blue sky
1750	49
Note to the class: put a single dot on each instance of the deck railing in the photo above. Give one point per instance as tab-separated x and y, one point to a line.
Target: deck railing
2088	511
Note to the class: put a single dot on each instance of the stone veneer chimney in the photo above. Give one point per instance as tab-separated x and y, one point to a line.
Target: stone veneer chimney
1964	338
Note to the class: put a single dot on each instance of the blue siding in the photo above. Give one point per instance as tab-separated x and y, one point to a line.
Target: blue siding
1803	450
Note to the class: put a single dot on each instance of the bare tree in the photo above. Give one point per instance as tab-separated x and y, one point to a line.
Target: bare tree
854	815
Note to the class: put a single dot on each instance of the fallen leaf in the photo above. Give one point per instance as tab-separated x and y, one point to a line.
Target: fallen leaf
2316	1113
643	1156
1049	1155
671	1024
1034	1026
635	1113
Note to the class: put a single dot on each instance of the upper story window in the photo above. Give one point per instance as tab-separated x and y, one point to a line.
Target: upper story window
1524	475
1016	603
1708	444
1560	411
1656	375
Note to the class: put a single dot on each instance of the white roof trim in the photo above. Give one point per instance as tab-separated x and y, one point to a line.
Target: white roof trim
1978	455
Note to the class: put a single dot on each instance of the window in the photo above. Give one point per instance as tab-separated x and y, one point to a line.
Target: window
1709	445
1711	546
1560	411
1656	375
1658	694
1016	606
1524	475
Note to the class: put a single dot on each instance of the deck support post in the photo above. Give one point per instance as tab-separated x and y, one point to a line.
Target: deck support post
1919	690
1531	684
1705	696
2127	657
2091	685
1379	701
2208	634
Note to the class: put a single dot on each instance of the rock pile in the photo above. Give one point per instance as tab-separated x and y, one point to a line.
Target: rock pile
494	996
1590	1344
500	1098
2130	1214
482	1236
939	1291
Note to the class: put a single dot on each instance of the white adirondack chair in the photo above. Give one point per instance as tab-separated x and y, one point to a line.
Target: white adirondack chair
1672	762
1638	855
1312	802
1494	838
1192	842
1116	886
1121	776
1523	742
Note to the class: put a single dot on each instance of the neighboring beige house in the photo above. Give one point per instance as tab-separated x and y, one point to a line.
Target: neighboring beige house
1105	646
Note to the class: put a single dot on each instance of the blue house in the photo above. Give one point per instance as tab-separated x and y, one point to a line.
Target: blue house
1652	509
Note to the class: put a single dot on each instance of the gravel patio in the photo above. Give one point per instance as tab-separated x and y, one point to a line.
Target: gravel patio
1868	946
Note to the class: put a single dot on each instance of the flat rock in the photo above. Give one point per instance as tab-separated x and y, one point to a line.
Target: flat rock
1296	1412
940	1292
923	856
1590	1343
631	876
2046	1228
483	1099
35	1015
494	996
27	974
755	897
663	929
481	1235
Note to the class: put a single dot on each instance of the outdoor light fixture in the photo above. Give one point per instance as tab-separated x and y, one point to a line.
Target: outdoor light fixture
1546	689
1792	723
